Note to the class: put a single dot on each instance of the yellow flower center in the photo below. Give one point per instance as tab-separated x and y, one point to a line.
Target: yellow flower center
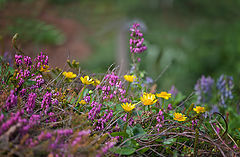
148	99
44	68
86	80
199	109
83	102
164	95
129	78
128	107
179	117
69	75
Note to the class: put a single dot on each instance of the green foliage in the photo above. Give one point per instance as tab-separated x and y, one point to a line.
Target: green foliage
36	31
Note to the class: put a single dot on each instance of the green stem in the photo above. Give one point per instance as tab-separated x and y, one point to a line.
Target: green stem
163	101
190	109
127	88
196	142
81	94
128	116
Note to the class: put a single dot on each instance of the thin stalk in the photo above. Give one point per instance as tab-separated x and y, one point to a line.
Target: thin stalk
125	126
81	94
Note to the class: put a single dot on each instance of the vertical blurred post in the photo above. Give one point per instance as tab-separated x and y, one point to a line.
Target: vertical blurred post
122	52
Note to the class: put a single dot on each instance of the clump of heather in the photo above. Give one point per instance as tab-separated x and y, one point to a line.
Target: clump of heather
11	100
112	88
64	112
136	40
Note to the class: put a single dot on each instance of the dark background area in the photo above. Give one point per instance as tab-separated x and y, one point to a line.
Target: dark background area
187	38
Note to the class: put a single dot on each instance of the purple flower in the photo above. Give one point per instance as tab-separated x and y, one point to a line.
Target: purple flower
225	87
18	59
100	124
169	107
31	102
160	119
173	90
27	61
96	108
203	89
46	102
11	100
136	41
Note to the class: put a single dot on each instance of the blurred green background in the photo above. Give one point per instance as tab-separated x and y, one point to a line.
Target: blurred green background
188	38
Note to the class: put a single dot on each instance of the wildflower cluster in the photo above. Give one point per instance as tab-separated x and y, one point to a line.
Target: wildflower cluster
136	40
61	113
113	88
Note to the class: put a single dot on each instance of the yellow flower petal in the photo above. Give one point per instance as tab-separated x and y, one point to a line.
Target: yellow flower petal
164	95
129	78
148	99
179	117
86	80
199	109
69	75
128	107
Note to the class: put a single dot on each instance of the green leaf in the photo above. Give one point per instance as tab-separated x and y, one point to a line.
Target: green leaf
138	130
123	150
114	134
155	108
144	150
170	141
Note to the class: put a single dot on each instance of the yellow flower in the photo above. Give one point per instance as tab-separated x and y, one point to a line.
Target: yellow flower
44	68
179	117
86	80
69	75
128	107
129	78
83	102
96	82
148	99
199	109
164	95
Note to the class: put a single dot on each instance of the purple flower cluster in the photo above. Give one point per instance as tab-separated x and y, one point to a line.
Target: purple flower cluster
160	119
54	143
27	70
41	60
113	88
10	122
173	91
130	121
100	124
39	82
87	98
194	123
11	100
46	102
79	136
203	89
23	73
31	102
107	146
136	40
18	59
27	61
52	117
225	86
96	108
16	119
